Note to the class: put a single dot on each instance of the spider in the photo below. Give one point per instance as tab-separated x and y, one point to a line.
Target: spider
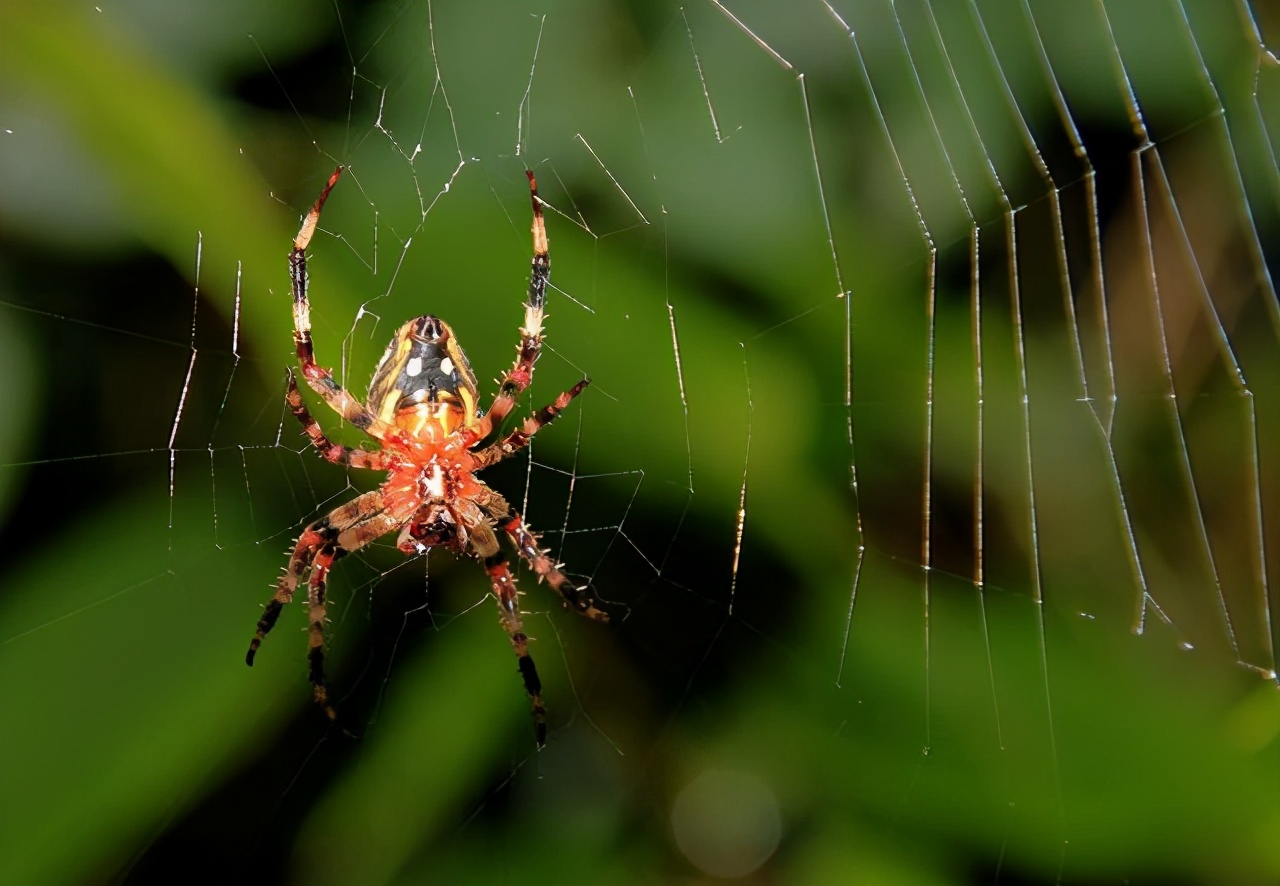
422	409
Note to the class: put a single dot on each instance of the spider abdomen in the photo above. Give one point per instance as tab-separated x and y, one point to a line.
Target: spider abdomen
424	376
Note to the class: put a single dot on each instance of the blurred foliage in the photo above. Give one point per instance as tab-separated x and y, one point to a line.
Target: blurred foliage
921	731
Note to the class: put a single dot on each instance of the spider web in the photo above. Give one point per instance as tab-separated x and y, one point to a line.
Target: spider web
928	465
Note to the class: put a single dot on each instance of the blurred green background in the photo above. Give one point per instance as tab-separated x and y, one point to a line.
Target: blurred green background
788	696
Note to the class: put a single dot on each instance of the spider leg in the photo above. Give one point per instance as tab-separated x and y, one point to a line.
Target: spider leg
347	528
526	544
519	438
484	545
299	563
517	378
334	452
503	584
316	586
318	378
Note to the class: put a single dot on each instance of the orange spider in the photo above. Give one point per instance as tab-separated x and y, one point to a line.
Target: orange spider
422	409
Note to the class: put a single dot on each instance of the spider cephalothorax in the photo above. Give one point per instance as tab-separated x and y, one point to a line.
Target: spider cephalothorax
423	410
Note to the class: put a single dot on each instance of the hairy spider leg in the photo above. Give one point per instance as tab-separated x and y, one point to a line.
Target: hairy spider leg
519	438
304	550
346	528
526	543
504	591
318	378
329	451
518	377
485	545
316	587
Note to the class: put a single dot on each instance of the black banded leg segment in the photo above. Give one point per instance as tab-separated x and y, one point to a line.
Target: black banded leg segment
347	528
318	378
316	615
518	377
312	539
504	590
526	542
329	451
298	275
540	269
519	438
268	621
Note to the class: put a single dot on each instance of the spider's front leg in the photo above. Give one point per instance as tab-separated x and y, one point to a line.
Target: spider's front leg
318	378
518	377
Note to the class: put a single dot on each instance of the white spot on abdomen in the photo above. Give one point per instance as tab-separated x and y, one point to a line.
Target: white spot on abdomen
446	366
414	366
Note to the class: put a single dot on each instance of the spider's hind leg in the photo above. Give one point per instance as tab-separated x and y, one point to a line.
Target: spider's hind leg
484	545
504	589
347	528
304	553
526	542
